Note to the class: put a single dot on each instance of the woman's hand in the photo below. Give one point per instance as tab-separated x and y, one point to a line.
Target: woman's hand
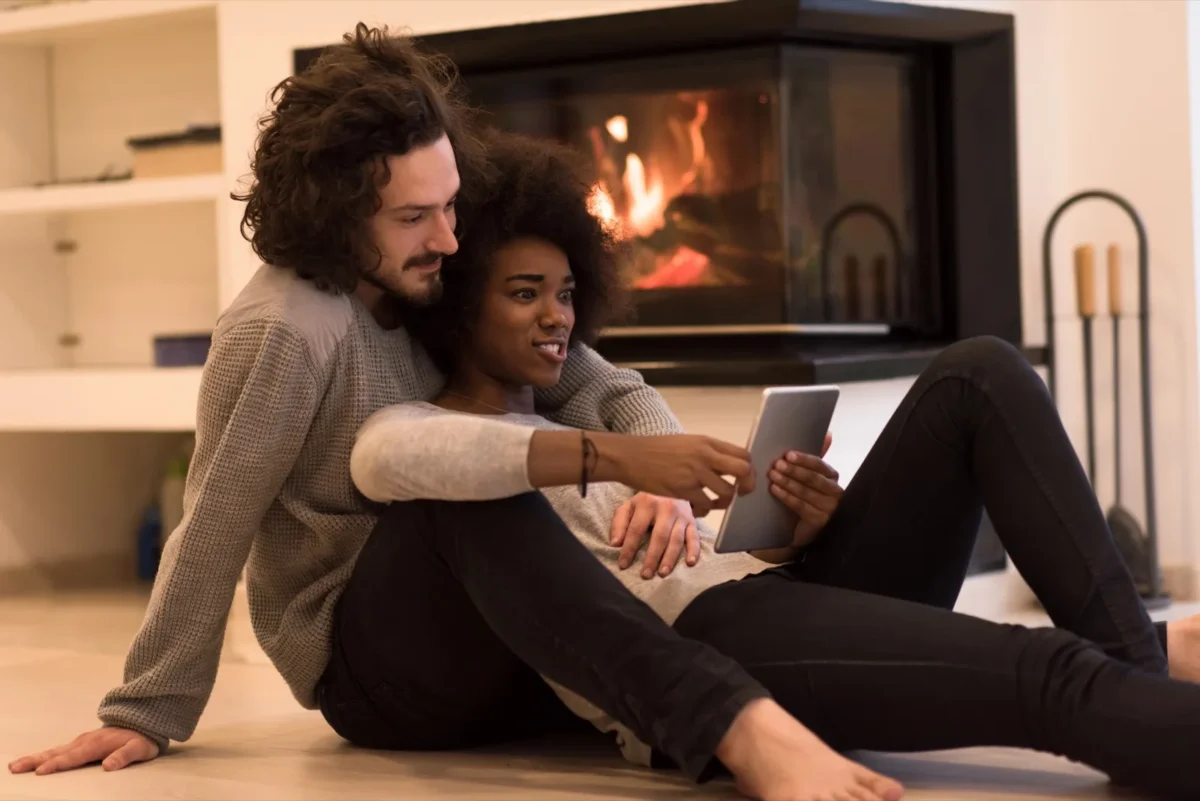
809	487
674	531
684	466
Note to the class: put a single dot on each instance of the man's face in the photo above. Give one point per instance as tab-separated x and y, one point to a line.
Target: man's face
414	227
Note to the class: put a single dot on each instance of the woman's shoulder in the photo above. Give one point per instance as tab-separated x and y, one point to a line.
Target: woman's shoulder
401	412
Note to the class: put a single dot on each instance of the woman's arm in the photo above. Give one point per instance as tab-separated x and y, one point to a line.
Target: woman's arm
405	453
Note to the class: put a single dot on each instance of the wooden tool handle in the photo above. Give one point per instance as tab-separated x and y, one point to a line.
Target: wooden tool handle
1114	280
1085	280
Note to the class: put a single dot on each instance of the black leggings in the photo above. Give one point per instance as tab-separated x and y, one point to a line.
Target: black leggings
856	638
449	603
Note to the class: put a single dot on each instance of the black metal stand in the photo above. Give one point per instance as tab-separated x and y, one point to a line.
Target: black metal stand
1152	592
877	213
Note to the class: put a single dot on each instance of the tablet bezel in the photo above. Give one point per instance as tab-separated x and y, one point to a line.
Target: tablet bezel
789	418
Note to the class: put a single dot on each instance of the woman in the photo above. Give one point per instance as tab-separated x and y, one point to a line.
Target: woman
853	634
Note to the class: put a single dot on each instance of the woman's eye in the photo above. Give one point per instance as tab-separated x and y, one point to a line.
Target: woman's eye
525	294
567	296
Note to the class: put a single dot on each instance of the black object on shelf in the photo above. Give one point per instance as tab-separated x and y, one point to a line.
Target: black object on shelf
1139	548
193	134
183	350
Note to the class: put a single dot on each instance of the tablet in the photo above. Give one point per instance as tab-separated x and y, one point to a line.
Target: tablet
789	419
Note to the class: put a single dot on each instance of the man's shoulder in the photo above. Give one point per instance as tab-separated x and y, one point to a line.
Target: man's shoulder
277	296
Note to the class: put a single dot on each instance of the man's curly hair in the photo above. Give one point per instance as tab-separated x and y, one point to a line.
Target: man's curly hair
538	189
320	158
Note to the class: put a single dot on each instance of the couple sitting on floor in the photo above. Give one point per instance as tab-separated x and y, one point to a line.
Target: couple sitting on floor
470	608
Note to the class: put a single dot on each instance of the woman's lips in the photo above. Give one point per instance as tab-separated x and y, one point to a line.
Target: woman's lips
553	352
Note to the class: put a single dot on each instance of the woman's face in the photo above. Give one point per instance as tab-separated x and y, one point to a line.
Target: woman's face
526	315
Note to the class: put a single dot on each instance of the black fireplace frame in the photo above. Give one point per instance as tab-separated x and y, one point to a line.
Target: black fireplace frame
972	183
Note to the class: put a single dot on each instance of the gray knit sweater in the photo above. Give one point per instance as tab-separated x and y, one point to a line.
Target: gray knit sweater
292	374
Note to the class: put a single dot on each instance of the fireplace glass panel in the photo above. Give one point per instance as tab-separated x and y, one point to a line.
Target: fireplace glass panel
726	224
850	189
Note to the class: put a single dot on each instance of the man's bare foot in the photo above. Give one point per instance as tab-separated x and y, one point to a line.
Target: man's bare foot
775	758
1183	648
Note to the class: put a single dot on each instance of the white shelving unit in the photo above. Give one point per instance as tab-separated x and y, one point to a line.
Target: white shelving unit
92	271
89	19
110	194
87	400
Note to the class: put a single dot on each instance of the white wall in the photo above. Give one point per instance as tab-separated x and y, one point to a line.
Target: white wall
1102	101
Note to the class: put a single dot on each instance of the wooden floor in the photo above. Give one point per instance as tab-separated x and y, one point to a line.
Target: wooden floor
59	655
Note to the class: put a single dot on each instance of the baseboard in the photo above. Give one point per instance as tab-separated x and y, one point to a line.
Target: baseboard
99	571
1180	582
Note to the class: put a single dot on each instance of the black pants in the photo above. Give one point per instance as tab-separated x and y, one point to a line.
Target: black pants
857	640
449	603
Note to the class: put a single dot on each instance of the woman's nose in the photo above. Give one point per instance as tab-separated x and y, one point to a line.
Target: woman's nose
554	319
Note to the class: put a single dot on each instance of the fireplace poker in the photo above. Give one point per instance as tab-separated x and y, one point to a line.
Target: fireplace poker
1085	292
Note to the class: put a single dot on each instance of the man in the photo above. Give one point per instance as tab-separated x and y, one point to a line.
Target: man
357	171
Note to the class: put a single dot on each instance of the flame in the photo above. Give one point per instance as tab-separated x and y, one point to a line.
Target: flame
646	196
618	128
685	268
600	204
637	205
696	136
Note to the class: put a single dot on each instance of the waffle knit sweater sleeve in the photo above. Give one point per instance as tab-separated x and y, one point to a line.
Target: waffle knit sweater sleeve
258	396
404	453
595	395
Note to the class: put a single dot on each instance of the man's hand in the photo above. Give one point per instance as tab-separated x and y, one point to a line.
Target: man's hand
809	487
114	748
674	531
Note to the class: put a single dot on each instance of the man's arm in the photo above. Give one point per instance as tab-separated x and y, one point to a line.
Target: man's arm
258	397
595	395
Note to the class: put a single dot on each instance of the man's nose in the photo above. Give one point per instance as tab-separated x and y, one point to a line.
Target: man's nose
443	239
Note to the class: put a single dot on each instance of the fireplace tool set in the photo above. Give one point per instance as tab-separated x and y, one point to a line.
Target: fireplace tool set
1138	545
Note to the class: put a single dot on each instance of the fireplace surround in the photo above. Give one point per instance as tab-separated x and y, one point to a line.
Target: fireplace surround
814	189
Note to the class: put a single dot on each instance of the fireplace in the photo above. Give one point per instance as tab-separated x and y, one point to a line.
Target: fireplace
804	182
763	189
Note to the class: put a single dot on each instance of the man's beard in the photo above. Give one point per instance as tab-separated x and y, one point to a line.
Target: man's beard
432	288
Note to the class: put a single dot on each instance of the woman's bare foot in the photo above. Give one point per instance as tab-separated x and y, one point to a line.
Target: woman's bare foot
775	758
1183	648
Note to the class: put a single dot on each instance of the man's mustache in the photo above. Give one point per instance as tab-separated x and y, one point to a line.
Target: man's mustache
424	259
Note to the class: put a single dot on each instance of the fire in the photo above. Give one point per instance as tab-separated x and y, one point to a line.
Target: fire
600	204
646	201
618	128
636	205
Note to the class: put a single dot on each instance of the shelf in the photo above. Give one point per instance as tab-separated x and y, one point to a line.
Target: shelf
110	194
116	399
84	19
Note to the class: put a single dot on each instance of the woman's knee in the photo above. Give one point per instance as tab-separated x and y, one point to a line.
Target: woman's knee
981	357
